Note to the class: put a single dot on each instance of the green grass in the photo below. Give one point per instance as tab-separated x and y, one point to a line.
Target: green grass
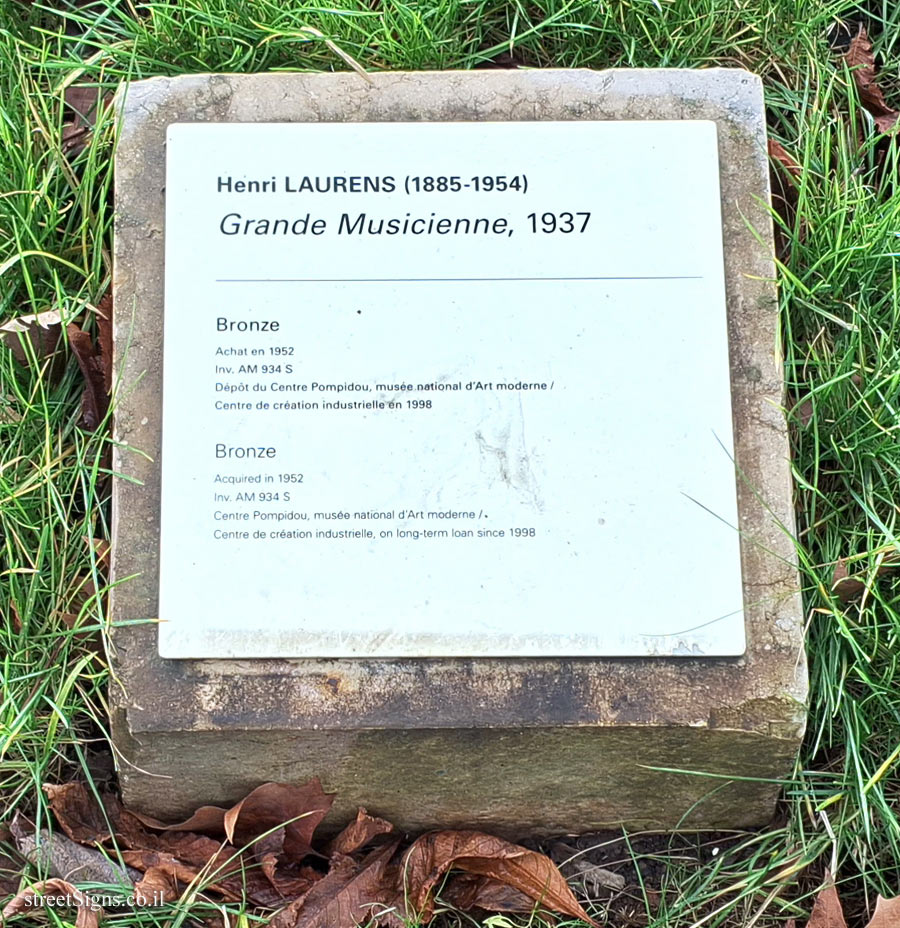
841	325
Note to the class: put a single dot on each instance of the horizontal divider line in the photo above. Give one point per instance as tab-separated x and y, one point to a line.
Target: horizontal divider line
402	280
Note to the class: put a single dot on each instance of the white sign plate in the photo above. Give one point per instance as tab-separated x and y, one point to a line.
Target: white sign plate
446	389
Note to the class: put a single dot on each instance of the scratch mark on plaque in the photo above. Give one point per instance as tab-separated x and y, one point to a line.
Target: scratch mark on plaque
513	465
502	458
526	476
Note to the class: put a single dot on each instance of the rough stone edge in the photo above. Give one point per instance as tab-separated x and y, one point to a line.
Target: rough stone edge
492	692
512	781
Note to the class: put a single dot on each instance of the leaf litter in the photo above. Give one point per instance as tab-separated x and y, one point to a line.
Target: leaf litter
784	184
38	336
263	850
88	915
861	61
828	912
849	587
81	107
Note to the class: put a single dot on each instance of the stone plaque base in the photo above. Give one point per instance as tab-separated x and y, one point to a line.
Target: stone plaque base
510	744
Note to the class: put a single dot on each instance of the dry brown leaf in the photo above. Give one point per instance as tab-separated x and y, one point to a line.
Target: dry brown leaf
88	914
266	807
82	105
90	822
350	894
90	640
184	854
105	339
784	195
158	862
79	814
266	852
10	868
779	153
358	834
803	412
846	587
500	875
342	871
94	399
101	549
206	820
274	804
849	587
159	884
163	872
289	883
861	62
16	618
467	891
41	329
827	911
433	855
198	851
887	913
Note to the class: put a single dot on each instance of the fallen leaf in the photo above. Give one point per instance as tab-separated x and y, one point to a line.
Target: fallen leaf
183	855
10	870
827	911
94	399
848	587
784	196
350	894
42	330
58	856
467	891
158	885
88	914
433	855
779	153
887	913
82	106
861	61
266	852
803	411
338	877
101	549
289	884
217	868
358	833
266	807
79	814
302	807
198	851
162	871
265	870
105	339
206	819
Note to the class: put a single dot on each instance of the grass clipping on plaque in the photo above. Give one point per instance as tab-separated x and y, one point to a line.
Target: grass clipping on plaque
832	93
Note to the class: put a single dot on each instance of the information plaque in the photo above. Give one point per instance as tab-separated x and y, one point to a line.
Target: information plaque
446	390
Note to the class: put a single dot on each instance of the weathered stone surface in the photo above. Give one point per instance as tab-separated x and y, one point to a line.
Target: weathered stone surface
514	745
